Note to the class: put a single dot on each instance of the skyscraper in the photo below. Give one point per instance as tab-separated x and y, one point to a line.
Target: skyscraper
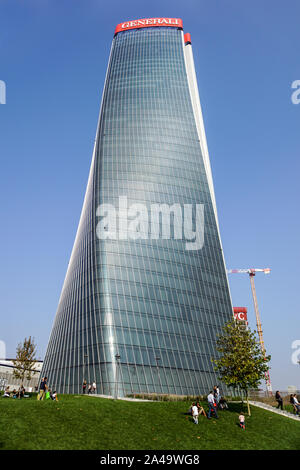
146	288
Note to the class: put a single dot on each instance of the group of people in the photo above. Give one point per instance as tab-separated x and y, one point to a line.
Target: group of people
45	392
293	401
195	410
20	393
215	401
91	388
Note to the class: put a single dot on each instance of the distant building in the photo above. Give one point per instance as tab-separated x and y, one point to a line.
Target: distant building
7	378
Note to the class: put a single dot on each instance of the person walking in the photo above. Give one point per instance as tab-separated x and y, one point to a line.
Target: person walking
43	388
279	400
84	387
212	406
94	387
296	403
89	389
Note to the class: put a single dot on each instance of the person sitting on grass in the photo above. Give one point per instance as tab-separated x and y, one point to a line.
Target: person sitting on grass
21	392
200	409
6	393
223	403
54	396
242	421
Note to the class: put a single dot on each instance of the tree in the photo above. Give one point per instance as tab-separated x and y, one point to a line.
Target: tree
241	363
25	360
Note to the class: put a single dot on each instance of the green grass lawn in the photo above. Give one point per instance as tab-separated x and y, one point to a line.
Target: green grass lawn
81	422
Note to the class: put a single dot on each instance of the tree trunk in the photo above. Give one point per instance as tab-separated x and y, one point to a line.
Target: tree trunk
248	406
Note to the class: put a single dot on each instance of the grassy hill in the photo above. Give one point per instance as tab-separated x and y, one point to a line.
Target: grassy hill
82	422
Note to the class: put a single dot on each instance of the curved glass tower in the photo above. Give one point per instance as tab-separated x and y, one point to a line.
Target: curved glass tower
143	300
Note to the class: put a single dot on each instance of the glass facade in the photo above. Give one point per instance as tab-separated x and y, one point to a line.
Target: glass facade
154	303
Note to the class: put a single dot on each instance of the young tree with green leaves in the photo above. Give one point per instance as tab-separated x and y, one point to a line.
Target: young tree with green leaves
241	363
24	364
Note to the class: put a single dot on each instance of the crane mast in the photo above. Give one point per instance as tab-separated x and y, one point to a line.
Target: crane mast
251	273
258	322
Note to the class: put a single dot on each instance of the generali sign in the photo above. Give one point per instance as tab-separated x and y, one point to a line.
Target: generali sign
240	313
147	22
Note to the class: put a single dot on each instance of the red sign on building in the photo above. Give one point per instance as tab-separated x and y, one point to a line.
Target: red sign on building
240	313
149	22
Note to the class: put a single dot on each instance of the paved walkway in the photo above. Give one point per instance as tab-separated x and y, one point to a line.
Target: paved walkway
119	398
274	410
254	403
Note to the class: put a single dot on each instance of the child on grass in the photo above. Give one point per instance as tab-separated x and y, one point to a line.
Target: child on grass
242	421
195	413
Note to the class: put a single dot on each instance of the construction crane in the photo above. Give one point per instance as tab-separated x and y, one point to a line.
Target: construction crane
252	273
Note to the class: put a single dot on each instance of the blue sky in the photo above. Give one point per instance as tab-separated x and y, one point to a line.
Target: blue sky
53	59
